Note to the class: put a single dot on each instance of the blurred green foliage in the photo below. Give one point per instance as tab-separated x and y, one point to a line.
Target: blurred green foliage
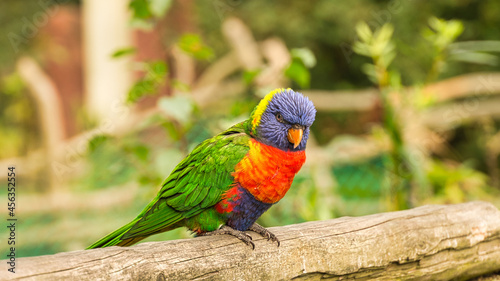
298	71
413	178
456	183
379	47
145	12
154	77
362	179
16	123
327	28
112	164
193	46
123	52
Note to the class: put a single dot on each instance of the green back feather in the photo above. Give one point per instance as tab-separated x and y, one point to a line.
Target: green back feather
197	183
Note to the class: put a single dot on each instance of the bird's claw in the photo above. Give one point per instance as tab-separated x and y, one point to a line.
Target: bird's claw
246	238
264	232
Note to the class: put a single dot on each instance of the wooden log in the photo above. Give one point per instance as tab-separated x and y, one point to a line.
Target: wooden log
354	100
241	39
475	85
427	243
455	114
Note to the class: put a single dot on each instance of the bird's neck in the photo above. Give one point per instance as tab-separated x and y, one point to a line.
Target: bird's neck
267	172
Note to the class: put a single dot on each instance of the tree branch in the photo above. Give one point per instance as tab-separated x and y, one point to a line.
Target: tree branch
435	242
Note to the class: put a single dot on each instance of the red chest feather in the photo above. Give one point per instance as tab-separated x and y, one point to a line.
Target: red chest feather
267	172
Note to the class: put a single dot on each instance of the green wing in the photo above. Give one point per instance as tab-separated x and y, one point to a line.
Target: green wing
197	183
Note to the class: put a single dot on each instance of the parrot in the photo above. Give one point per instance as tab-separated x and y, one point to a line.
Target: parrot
228	181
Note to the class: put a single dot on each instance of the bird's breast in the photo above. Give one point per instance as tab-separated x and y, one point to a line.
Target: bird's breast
267	172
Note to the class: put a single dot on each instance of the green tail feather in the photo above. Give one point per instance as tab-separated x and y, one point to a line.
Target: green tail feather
114	238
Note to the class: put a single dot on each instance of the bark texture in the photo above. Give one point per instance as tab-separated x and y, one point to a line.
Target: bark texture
426	243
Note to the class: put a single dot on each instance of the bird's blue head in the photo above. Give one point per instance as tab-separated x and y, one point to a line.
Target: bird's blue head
282	119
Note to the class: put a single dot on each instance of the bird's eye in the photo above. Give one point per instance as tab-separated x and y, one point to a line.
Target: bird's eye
279	117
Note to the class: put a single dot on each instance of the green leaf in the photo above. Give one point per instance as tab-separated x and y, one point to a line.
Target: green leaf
141	24
141	152
179	107
140	9
436	24
192	45
178	85
476	46
298	73
363	31
305	55
395	79
250	75
12	84
442	32
371	71
172	130
156	71
453	29
386	58
97	141
384	34
148	180
123	52
475	57
454	193
154	77
160	7
361	49
381	44
141	89
377	46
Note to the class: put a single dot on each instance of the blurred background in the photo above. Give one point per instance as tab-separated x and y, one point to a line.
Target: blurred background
100	100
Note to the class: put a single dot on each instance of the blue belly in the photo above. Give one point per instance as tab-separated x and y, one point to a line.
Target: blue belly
247	211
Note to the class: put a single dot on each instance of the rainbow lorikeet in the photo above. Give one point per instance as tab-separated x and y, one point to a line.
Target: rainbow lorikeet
227	182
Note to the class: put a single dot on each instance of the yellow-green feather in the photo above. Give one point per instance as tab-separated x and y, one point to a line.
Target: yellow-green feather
261	107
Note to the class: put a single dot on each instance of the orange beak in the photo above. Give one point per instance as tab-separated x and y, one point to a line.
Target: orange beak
295	136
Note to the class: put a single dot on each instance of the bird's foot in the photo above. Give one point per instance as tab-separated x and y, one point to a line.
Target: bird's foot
264	232
231	231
